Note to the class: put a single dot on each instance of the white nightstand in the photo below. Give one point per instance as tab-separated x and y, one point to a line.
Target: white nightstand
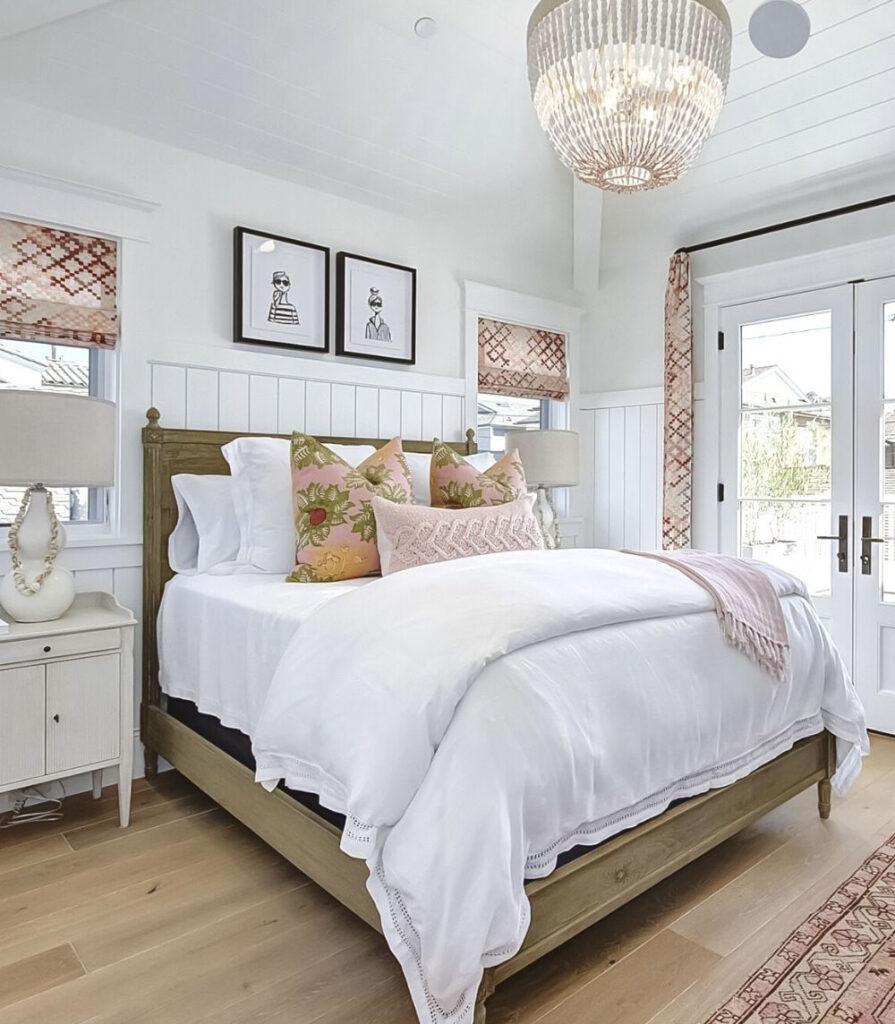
67	697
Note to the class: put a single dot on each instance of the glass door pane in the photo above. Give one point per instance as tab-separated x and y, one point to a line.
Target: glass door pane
786	444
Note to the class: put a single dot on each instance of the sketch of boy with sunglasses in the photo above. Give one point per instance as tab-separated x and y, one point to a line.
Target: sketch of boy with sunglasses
281	309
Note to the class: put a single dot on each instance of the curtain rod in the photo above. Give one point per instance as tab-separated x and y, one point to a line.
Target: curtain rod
869	204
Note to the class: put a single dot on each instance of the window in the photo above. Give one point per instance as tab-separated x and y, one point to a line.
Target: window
499	414
65	369
59	327
522	378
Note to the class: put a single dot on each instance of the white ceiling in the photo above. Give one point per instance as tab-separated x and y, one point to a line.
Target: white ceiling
341	94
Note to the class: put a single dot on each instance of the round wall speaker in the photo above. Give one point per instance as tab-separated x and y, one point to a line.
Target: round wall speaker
780	28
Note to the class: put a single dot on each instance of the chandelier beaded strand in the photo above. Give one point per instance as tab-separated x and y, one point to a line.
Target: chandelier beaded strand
628	91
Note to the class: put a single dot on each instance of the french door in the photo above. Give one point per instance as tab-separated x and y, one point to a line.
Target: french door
808	462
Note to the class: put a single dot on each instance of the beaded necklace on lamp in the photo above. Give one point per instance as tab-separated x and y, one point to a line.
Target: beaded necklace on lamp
22	585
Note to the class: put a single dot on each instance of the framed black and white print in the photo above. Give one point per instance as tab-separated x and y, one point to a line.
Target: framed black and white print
281	291
375	309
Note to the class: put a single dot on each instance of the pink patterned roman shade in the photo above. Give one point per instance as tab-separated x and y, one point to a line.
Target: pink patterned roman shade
522	362
58	286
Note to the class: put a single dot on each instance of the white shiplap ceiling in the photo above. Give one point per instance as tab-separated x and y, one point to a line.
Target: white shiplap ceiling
341	94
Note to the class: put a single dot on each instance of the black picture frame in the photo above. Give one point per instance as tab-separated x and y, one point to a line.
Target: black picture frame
243	332
347	346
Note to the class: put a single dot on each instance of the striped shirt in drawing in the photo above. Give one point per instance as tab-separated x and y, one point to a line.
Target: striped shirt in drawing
281	309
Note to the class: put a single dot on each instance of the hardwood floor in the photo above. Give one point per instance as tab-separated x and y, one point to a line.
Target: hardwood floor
187	918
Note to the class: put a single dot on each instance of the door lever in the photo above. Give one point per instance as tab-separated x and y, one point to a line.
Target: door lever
842	537
867	542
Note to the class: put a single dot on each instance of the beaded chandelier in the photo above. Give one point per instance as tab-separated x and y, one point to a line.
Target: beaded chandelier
628	91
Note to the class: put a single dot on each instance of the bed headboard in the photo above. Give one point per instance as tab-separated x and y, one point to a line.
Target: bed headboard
167	452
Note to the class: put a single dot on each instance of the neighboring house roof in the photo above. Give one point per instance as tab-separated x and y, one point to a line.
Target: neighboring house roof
61	373
757	377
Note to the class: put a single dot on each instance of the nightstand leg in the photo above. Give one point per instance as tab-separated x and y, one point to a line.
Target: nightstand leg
125	771
97	784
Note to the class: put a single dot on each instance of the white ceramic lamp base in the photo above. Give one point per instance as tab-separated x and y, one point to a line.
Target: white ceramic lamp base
545	513
57	592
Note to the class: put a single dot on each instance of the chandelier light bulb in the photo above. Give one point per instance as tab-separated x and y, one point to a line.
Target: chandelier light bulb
628	91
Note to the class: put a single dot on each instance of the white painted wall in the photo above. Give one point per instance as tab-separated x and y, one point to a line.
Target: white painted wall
177	295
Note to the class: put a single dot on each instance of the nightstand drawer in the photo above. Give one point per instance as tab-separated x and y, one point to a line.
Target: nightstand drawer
22	714
82	712
41	648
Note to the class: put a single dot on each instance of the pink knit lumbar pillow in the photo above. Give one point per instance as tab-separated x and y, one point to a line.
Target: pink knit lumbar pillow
456	483
412	535
335	530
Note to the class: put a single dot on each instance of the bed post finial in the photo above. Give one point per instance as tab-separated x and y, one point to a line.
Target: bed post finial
470	440
152	416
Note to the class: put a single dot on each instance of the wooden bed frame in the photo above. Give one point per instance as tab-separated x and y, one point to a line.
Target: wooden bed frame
570	900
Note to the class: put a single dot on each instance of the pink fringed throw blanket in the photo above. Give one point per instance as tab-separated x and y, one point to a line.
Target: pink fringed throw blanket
747	605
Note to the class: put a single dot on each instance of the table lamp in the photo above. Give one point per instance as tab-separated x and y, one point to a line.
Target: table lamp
550	459
60	440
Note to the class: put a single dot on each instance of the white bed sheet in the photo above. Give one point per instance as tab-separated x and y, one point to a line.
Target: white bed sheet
220	638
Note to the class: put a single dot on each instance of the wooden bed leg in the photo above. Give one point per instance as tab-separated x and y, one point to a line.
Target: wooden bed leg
824	798
150	763
485	990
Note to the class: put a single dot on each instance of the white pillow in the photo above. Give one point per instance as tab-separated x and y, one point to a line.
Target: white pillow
207	530
262	495
420	463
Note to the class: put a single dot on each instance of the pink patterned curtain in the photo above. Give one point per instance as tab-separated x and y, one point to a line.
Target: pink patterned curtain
523	362
58	286
678	464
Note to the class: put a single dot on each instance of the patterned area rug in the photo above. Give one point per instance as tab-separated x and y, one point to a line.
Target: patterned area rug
836	968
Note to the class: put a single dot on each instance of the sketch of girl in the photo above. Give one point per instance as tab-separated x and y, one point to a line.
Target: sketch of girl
281	309
377	328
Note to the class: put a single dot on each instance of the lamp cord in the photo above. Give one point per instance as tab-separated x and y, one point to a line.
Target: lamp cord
22	585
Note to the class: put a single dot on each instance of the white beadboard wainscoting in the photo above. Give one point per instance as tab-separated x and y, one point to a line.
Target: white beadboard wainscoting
621	450
416	407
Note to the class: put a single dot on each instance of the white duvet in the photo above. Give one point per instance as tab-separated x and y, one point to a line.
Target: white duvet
475	719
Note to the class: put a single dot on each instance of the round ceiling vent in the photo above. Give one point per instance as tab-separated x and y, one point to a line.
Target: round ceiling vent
780	28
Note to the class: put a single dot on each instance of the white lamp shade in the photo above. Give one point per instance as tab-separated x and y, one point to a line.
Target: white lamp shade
56	440
549	457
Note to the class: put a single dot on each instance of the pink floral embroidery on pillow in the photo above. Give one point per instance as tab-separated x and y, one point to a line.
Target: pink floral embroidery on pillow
335	528
456	483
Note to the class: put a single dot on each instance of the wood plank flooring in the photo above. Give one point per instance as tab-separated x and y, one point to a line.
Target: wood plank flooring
187	918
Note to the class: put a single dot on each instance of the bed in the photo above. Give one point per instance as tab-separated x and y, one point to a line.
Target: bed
590	882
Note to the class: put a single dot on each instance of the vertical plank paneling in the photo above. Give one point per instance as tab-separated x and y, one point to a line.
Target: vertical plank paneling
632	476
263	402
411	415
366	404
389	412
201	399
647	514
452	425
602	478
233	401
617	467
291	406
318	407
87	580
583	497
344	411
169	394
431	417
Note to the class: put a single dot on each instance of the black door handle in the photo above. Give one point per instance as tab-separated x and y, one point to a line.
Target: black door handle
842	537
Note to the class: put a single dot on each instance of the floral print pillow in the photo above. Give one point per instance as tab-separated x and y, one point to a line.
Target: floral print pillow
335	529
458	484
